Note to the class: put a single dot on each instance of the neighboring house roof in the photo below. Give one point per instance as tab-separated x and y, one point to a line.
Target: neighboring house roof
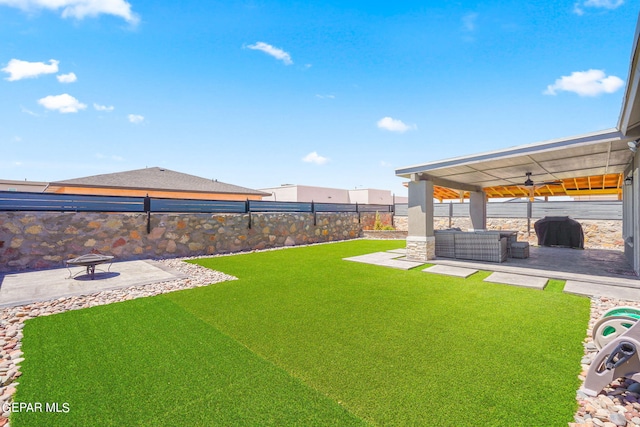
156	178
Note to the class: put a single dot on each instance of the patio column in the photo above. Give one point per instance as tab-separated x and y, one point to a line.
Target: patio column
421	243
478	210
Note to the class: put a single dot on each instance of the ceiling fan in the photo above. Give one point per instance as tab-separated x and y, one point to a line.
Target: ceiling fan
530	184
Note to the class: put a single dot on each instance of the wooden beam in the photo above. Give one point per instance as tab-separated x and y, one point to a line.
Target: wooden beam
510	192
592	192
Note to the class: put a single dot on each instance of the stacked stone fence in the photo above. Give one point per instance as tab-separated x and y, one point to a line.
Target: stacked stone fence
598	234
36	240
601	220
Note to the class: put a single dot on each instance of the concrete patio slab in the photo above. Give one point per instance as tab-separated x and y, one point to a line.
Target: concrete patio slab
45	285
385	259
448	270
608	267
595	289
517	280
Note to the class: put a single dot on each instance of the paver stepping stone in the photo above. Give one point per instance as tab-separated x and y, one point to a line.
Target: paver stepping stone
517	280
400	251
385	259
449	270
596	289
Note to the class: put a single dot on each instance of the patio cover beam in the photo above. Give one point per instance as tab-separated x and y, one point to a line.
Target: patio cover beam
442	182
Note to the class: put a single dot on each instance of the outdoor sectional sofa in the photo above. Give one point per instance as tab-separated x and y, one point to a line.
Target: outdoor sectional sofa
475	245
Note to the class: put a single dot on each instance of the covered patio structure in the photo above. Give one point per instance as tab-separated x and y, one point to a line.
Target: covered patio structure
603	162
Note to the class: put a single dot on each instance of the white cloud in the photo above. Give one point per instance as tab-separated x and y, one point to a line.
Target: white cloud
135	118
273	51
469	21
325	96
606	4
24	69
64	103
78	9
67	78
106	108
586	83
29	112
314	157
578	8
394	125
385	164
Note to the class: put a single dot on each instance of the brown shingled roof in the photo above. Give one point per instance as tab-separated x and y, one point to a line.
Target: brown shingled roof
156	178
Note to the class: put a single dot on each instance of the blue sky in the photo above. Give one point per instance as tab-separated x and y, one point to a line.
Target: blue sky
331	93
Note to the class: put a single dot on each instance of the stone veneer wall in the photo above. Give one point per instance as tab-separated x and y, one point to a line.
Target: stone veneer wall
33	240
368	219
401	223
421	248
598	234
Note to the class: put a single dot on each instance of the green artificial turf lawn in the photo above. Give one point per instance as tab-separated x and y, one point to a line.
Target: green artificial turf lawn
305	338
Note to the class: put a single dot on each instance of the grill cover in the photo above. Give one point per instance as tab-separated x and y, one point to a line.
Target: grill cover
559	231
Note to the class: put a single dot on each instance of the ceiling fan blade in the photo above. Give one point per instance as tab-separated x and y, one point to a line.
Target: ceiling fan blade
557	182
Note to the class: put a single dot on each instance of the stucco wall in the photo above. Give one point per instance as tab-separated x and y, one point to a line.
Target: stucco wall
31	240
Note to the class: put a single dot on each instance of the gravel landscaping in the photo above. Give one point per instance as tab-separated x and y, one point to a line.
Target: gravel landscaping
618	404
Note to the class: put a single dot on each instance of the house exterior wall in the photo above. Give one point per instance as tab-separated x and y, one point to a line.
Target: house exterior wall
33	240
93	191
26	186
305	193
371	196
631	216
322	195
288	193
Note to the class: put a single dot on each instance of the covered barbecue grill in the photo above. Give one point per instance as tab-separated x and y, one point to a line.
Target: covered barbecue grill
559	231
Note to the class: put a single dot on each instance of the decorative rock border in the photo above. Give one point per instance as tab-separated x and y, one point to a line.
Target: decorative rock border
618	405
